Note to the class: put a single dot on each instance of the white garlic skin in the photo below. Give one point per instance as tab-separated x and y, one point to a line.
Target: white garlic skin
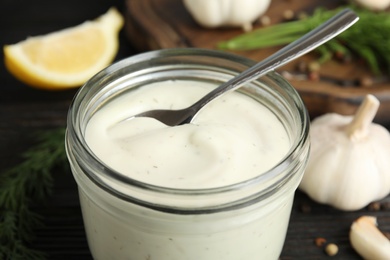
373	5
345	173
234	13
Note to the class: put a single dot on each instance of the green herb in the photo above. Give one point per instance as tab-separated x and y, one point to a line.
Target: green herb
368	39
24	185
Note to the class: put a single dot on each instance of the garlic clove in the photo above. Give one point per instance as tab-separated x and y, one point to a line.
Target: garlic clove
368	240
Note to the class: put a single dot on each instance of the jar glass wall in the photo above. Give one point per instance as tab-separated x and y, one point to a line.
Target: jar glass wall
126	218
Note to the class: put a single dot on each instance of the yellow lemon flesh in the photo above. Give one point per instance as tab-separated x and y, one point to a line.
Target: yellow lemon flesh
66	58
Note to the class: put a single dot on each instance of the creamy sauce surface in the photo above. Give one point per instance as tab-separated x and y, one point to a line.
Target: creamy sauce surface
233	139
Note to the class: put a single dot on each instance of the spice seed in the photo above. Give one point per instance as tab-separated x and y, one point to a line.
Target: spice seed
314	76
265	20
374	206
331	249
366	81
314	66
288	14
320	241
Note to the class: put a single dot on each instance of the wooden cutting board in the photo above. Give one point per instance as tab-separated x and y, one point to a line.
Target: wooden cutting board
158	24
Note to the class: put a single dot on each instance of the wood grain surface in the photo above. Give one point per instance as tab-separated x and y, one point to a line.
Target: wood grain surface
156	24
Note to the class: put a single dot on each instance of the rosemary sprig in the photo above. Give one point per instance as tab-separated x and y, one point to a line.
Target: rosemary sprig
368	39
26	184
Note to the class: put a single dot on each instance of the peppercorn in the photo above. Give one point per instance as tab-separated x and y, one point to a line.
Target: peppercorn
320	241
331	249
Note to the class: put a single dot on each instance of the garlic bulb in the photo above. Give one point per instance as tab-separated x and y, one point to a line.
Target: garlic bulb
216	13
349	164
373	5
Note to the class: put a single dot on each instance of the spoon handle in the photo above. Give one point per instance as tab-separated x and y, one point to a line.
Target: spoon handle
323	33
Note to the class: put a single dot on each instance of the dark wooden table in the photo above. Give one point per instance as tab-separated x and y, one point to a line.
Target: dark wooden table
24	111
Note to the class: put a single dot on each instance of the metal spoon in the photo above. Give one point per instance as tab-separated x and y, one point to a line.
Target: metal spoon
323	33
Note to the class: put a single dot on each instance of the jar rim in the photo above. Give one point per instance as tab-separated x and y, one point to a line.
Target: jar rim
75	132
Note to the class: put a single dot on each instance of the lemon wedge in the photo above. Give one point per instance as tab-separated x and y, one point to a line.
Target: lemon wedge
66	58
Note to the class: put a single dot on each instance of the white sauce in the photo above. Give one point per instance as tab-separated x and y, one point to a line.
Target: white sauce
232	140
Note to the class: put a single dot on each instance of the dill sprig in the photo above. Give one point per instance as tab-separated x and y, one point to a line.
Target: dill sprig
24	185
368	39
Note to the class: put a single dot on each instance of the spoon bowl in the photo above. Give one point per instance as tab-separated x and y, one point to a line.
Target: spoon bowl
323	33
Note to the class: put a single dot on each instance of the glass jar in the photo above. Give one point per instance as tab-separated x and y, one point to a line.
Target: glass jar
129	219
